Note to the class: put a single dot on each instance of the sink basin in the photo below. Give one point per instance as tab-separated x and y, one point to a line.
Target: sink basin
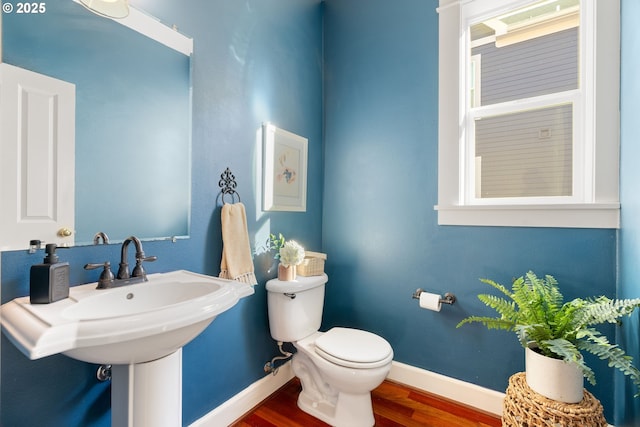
126	325
140	329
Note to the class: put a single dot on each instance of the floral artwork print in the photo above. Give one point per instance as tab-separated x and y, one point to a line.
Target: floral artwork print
286	182
284	170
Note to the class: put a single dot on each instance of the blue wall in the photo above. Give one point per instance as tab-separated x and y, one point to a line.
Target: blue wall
379	226
375	183
253	61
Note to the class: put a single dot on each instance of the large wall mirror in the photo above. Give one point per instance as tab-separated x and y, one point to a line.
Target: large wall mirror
133	118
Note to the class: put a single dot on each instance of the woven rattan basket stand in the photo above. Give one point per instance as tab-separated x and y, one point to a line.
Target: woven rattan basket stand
524	407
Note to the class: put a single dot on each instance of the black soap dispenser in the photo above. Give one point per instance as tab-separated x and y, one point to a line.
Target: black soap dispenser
49	282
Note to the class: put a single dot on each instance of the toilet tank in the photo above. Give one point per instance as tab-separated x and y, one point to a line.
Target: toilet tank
295	307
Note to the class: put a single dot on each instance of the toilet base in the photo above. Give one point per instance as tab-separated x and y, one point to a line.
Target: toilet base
338	408
349	411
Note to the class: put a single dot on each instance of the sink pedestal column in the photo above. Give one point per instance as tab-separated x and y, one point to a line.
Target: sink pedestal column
147	394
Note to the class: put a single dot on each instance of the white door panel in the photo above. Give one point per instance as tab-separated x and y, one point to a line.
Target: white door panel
37	158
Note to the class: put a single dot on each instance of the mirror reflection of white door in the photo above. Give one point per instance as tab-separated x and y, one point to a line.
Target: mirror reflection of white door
37	159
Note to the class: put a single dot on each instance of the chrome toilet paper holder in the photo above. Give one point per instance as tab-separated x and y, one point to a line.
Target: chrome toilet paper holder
448	298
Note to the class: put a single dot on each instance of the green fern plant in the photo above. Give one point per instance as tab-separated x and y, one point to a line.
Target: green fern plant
535	310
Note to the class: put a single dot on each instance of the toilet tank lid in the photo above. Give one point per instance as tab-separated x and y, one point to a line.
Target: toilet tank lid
301	283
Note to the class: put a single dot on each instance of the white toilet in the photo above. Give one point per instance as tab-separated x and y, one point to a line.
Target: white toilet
338	368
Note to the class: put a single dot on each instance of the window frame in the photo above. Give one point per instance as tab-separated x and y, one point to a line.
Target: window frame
595	200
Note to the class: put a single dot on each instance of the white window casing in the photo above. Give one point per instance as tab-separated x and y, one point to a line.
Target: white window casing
594	202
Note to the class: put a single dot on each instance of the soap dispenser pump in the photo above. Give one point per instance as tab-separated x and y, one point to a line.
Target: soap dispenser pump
49	281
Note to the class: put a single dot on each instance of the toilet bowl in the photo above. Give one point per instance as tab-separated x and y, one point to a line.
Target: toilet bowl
338	368
336	379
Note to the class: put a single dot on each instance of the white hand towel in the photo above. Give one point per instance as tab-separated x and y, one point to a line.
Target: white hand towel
236	263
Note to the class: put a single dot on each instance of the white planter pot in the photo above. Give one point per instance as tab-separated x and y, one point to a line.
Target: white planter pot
554	378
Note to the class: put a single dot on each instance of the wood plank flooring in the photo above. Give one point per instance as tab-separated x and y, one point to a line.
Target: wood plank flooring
394	405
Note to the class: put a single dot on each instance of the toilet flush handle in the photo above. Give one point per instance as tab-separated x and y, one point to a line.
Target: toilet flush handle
290	295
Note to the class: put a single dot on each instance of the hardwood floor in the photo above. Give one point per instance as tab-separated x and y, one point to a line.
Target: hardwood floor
394	405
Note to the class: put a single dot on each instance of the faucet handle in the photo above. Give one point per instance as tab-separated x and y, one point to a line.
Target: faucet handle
138	270
106	277
147	259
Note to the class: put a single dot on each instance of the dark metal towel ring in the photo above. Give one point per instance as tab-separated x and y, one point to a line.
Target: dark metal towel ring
228	185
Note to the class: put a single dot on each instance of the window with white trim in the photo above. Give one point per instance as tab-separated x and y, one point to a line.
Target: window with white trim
528	118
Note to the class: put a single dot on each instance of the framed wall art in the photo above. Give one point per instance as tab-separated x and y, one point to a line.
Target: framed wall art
284	170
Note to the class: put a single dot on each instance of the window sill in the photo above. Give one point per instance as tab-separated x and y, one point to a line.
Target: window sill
593	215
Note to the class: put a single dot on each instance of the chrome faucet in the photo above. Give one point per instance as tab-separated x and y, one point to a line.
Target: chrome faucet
138	270
107	280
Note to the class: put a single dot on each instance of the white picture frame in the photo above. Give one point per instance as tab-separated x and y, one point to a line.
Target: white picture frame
284	170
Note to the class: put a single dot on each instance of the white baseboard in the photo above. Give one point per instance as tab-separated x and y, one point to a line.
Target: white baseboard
234	408
460	391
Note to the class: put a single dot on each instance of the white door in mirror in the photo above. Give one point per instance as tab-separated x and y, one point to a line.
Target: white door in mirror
37	158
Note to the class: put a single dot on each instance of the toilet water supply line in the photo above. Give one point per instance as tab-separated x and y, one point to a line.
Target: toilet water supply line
270	367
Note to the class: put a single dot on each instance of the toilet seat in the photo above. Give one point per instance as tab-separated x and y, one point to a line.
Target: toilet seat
353	348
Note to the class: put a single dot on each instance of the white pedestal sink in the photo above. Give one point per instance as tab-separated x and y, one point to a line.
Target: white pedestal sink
140	329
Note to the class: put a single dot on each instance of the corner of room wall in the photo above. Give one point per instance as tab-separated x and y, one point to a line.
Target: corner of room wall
627	408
